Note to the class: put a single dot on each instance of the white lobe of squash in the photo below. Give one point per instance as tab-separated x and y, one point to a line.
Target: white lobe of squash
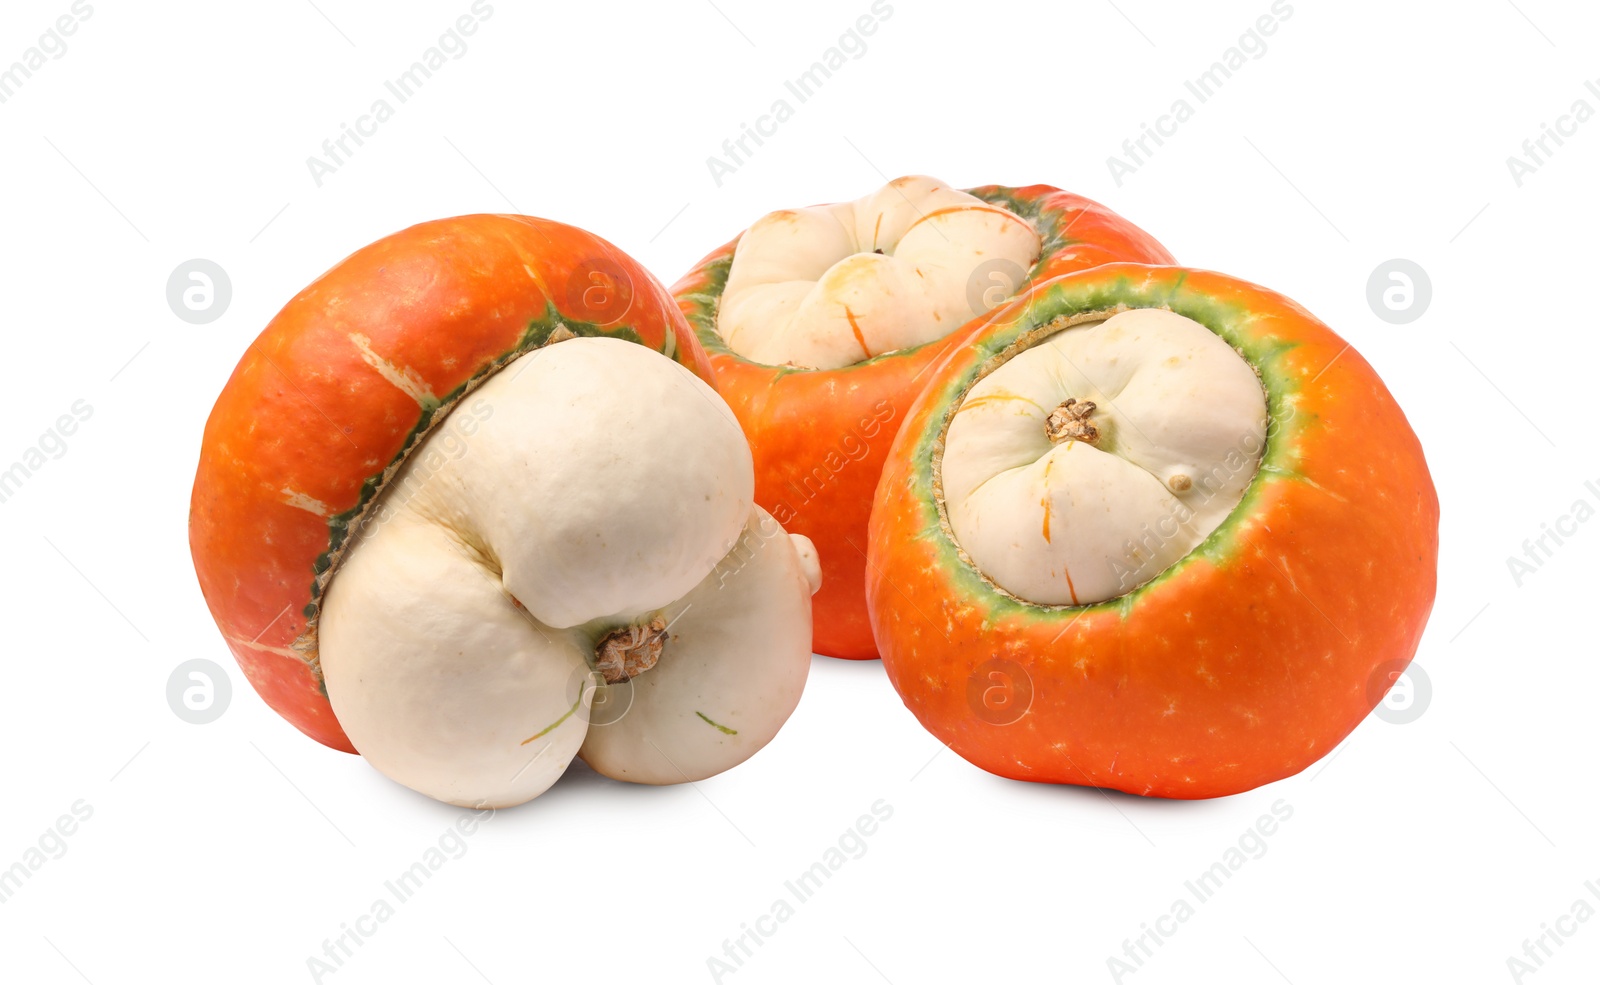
723	687
1178	428
590	486
832	285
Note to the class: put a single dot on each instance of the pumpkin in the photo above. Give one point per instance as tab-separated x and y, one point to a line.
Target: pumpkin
1152	529
469	507
821	325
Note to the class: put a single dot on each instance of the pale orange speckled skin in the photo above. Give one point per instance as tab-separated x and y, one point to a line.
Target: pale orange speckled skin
820	437
306	413
1244	663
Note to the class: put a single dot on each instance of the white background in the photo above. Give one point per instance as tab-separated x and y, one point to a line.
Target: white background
229	852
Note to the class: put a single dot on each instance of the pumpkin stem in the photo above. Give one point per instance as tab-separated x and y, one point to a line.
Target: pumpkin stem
1070	422
624	654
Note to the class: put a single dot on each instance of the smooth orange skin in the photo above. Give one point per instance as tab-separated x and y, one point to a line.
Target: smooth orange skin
304	411
820	437
1223	675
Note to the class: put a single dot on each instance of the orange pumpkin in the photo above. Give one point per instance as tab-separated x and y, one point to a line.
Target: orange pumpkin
343	385
820	436
1243	662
